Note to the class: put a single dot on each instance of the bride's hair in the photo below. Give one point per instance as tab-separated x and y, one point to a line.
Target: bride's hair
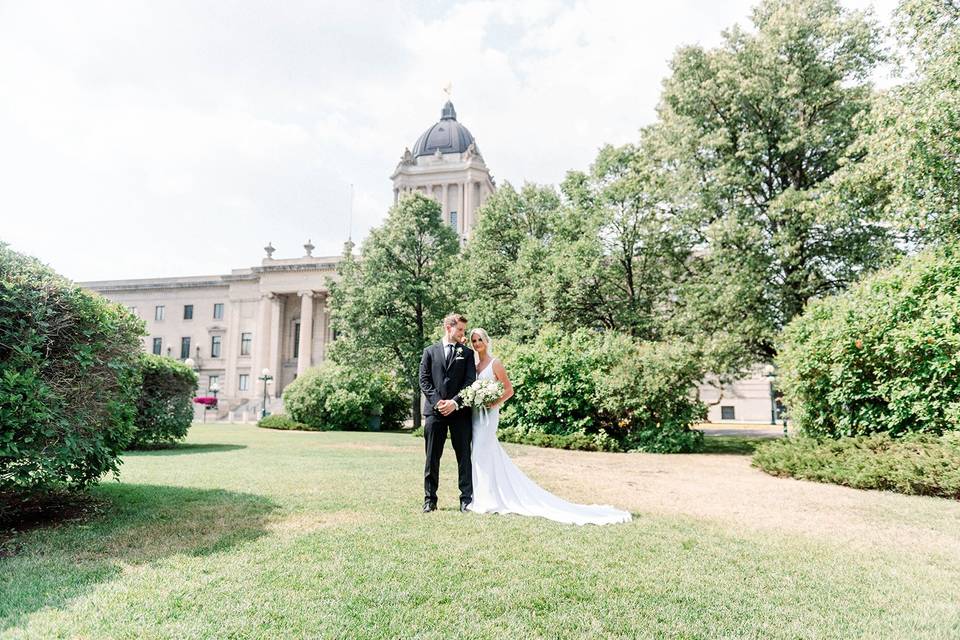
483	336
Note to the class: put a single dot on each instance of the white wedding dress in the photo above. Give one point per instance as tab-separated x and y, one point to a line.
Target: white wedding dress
500	487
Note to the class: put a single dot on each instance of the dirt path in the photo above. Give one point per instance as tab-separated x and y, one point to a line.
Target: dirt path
726	489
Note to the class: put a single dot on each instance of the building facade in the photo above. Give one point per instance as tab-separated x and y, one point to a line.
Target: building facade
232	327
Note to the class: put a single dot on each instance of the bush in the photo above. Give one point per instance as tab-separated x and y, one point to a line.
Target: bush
604	386
646	399
165	407
284	422
918	464
69	374
340	397
882	357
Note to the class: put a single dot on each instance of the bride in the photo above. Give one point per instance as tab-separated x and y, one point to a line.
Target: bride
498	485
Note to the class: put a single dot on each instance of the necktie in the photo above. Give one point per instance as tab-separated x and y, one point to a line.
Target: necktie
449	355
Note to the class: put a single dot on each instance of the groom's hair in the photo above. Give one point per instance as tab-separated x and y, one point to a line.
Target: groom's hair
454	318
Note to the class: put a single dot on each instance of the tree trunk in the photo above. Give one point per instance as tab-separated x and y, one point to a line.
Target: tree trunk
416	408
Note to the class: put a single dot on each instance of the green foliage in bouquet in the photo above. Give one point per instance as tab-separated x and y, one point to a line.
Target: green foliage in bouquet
165	407
340	397
882	357
69	376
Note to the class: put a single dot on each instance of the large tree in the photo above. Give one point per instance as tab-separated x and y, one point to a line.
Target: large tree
911	170
502	276
621	246
387	305
752	131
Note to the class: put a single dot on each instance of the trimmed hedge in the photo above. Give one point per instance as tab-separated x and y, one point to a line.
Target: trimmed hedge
69	376
577	441
283	422
165	407
882	357
917	464
340	397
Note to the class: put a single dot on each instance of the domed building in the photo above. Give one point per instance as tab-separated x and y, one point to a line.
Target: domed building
446	163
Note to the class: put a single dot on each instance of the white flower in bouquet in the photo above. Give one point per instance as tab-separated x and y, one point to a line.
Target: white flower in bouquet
482	393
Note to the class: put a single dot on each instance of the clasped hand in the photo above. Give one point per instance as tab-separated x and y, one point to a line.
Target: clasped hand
446	407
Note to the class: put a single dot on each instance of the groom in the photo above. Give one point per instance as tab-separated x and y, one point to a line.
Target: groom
446	368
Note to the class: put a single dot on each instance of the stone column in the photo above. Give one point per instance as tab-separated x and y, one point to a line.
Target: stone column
262	337
463	207
276	334
305	347
467	208
228	387
323	329
446	203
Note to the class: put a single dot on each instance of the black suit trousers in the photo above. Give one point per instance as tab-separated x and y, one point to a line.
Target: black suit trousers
460	427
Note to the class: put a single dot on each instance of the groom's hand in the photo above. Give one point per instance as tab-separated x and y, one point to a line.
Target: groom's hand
446	407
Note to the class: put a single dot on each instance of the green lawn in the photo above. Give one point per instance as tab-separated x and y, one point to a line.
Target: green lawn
249	533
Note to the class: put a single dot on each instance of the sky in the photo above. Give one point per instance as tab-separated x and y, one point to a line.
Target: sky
148	139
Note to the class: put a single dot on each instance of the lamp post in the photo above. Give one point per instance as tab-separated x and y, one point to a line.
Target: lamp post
775	413
214	388
266	378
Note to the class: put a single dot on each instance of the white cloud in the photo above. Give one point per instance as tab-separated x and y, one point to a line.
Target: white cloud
176	138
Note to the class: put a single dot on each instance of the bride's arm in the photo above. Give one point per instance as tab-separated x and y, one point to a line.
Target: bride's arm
501	374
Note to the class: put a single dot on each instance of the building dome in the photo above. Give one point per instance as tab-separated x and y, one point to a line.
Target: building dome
447	136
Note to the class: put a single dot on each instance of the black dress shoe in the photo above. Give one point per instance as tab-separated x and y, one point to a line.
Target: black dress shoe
429	506
464	505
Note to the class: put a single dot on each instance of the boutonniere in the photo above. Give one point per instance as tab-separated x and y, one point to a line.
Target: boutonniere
459	353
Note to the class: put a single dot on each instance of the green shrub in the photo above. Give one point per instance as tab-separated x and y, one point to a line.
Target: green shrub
882	357
69	376
165	406
339	397
646	401
555	381
284	422
604	386
918	464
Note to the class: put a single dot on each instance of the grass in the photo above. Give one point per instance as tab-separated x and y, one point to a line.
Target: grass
735	445
253	533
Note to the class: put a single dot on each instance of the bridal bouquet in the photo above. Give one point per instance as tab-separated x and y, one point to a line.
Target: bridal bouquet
482	393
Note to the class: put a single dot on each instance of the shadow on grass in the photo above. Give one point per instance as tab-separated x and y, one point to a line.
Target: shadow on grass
731	445
184	448
138	524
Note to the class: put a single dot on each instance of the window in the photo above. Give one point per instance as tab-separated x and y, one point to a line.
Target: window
158	312
132	310
218	311
188	312
214	381
157	346
246	341
244	382
726	413
453	219
184	348
296	340
215	346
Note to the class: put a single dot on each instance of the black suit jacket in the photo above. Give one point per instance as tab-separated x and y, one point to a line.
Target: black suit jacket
439	382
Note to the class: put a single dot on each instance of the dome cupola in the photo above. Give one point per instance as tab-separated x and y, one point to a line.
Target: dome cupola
446	136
